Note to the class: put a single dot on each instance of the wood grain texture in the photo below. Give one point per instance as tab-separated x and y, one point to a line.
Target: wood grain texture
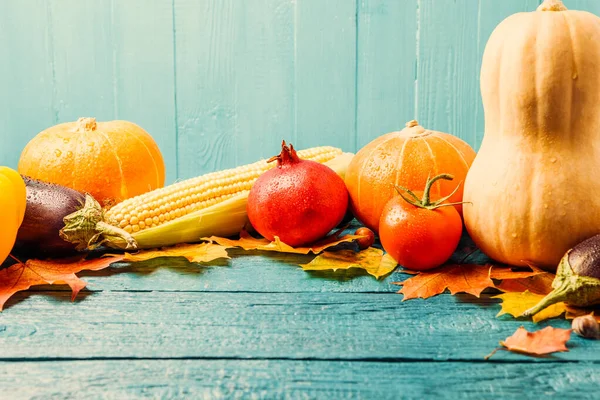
386	67
226	379
325	326
26	75
491	13
144	66
325	72
447	66
234	72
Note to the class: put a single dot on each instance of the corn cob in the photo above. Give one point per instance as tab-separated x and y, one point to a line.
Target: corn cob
211	204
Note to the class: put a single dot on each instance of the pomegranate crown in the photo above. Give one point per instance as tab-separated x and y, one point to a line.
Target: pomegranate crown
288	155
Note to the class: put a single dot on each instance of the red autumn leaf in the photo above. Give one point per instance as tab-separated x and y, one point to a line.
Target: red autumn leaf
19	277
539	284
458	278
546	341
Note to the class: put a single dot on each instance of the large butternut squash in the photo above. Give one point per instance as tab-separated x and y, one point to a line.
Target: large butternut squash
534	186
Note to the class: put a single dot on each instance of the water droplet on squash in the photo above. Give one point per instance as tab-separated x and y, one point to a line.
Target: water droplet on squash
57	152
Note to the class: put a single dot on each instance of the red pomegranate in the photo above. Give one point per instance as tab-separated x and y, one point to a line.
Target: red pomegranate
300	201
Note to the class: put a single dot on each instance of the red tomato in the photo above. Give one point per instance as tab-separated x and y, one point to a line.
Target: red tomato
419	238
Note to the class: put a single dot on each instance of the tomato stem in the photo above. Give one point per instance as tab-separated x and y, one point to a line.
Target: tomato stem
426	202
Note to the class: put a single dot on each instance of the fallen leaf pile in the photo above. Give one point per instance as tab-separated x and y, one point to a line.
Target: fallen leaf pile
461	278
546	341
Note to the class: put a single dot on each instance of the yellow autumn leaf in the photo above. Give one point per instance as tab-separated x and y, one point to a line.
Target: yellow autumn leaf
515	303
248	242
197	253
372	260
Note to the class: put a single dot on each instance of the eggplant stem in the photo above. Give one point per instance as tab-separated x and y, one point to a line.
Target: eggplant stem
556	296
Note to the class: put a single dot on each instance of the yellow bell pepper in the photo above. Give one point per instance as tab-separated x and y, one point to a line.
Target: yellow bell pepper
13	199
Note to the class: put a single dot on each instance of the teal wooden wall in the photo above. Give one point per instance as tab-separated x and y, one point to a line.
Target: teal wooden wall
220	82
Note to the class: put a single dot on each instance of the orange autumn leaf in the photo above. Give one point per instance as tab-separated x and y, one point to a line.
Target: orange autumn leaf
22	276
546	341
539	284
574	312
501	273
458	278
372	260
248	242
202	252
516	303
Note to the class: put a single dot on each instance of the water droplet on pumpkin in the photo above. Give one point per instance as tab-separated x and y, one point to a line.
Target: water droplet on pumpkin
514	235
545	205
91	144
66	140
553	160
57	152
69	154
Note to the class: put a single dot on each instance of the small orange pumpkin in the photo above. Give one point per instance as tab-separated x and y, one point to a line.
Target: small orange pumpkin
112	161
406	158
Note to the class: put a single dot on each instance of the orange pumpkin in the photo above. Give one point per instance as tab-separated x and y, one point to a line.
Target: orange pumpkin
112	161
405	158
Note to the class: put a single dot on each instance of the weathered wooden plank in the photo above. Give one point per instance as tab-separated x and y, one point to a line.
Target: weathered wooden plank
592	6
234	69
491	13
325	73
386	67
26	75
221	379
342	326
84	60
144	71
447	66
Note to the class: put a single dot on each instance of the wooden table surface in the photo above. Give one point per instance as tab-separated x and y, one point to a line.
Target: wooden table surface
258	326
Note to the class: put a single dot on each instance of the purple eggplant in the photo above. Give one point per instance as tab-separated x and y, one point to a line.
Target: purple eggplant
47	206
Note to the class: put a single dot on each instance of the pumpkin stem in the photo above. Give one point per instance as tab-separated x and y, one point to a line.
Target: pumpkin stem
412	124
85	226
552	5
86	124
425	202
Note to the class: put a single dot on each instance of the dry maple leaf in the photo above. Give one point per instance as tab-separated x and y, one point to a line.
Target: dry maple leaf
372	260
574	312
22	276
546	341
502	273
248	242
539	284
515	303
202	252
458	278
